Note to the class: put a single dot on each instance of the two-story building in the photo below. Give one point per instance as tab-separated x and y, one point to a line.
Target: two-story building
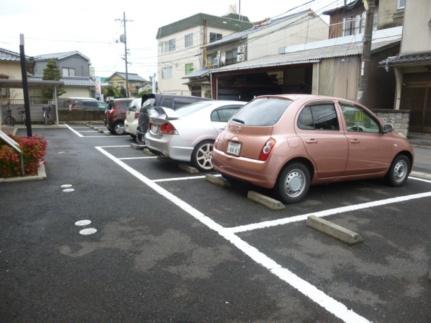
135	81
412	67
180	47
76	72
264	39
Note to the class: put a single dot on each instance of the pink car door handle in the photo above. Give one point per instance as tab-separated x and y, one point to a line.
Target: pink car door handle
355	141
311	141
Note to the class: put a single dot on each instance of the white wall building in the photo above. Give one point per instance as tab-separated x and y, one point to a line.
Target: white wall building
180	47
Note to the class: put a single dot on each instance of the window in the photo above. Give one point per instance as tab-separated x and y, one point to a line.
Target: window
231	57
215	36
166	72
167	46
188	68
262	112
68	72
188	40
359	120
401	4
319	117
354	25
224	114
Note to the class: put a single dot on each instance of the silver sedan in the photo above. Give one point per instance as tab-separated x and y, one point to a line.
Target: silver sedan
188	134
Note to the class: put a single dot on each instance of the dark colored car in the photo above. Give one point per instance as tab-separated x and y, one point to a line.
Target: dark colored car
151	108
115	115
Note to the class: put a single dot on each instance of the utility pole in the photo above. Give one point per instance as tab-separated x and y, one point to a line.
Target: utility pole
25	85
370	6
123	39
239	9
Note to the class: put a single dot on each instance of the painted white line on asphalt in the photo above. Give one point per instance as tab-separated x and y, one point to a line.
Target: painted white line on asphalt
69	190
420	179
174	179
133	158
82	223
73	130
66	186
88	231
328	303
115	146
324	213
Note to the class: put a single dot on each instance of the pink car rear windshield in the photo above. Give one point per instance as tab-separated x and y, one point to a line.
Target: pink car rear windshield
262	112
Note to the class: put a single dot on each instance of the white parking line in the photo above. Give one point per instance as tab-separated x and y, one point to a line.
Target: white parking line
73	130
328	303
324	213
132	158
420	179
115	146
174	179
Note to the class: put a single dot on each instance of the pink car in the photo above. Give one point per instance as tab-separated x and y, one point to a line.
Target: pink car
289	142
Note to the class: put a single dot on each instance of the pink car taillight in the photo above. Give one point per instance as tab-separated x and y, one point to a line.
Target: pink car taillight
266	150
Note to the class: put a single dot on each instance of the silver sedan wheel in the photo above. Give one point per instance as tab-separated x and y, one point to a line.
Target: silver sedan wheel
204	156
295	183
400	171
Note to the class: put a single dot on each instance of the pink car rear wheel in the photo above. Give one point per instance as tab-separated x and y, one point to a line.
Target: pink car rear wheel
294	182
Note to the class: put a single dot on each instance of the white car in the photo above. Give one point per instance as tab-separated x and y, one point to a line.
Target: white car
188	134
132	117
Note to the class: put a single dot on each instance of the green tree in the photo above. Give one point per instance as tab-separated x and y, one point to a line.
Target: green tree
52	72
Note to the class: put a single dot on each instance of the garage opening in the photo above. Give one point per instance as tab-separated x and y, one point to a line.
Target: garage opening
246	84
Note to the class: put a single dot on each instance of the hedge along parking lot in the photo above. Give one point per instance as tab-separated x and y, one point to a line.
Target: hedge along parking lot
352	283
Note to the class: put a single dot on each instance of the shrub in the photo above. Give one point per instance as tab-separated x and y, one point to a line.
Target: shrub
34	151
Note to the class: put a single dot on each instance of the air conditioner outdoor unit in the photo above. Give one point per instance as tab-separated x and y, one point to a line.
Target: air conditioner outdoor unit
240	58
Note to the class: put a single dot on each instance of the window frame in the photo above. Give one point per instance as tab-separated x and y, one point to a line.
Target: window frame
310	104
401	6
188	40
164	73
364	110
186	71
225	107
217	36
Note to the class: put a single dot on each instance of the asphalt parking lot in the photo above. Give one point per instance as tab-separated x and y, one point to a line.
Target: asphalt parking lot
171	246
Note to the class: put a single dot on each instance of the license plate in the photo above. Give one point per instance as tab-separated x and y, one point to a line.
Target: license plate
155	129
233	148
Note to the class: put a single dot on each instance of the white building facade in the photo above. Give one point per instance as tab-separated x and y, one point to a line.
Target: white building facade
180	48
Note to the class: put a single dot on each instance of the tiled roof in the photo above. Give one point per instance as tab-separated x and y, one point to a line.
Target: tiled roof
8	55
59	56
73	81
199	20
131	76
408	59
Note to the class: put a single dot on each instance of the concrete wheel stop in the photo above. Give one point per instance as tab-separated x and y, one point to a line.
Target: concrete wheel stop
264	200
334	230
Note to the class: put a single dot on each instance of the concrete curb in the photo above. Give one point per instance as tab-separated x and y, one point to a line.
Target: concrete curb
421	175
264	200
220	181
334	230
189	169
41	175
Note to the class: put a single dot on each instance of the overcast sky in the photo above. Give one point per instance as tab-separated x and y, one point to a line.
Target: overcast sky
90	27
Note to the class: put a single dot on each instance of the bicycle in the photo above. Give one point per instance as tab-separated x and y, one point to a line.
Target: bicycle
9	120
46	114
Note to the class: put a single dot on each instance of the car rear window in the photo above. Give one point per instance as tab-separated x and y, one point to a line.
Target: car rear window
192	108
262	112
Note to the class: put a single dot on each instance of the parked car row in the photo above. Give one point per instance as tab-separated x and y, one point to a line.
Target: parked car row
281	142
